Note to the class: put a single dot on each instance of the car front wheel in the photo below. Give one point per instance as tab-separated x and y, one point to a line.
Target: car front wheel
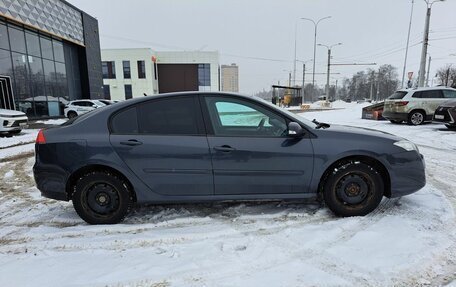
353	189
72	115
101	198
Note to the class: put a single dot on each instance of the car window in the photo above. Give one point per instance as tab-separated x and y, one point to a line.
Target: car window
174	116
397	95
434	94
449	94
234	117
79	104
125	122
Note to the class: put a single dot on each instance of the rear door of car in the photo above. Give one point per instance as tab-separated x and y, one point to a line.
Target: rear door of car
163	142
429	101
251	150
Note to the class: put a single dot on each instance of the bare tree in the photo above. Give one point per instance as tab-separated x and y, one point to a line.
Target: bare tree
447	76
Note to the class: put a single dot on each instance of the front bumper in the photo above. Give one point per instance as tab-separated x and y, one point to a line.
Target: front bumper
407	173
13	124
445	115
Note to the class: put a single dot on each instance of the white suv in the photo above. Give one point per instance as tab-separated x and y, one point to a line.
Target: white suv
79	107
12	122
416	106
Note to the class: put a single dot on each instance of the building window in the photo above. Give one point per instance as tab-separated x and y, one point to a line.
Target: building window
4	41
46	48
17	38
106	92
141	69
128	92
126	69
204	76
109	70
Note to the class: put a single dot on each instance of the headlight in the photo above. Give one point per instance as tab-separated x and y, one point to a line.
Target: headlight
407	145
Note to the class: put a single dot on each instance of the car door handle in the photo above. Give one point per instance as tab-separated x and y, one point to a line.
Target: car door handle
131	142
224	148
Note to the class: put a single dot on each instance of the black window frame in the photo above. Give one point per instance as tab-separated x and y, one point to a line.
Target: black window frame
419	94
130	96
110	69
126	67
201	130
141	64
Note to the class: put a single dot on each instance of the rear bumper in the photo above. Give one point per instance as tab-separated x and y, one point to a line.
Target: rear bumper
395	116
51	181
407	173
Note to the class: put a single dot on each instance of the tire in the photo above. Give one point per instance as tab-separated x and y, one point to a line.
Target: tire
102	198
16	132
353	189
395	122
451	127
72	114
416	118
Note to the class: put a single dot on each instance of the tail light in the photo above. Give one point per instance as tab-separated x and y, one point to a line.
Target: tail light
40	139
401	103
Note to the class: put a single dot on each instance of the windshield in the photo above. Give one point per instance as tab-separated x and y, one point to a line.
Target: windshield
305	121
397	95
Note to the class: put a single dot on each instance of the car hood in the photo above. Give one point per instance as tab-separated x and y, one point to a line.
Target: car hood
357	131
11	113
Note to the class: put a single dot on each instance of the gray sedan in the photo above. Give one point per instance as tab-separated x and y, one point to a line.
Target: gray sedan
195	147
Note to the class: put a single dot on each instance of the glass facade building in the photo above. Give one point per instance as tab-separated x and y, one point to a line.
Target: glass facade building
46	71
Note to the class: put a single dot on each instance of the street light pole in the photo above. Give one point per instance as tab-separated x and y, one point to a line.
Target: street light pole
315	43
425	42
408	42
329	65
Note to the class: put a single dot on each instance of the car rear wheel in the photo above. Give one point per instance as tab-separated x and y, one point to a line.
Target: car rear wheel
72	114
15	132
353	189
451	127
101	198
416	118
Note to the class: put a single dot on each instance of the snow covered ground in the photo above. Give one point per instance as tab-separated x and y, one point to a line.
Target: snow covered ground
407	241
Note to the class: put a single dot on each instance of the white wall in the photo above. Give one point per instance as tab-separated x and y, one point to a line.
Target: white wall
139	86
149	85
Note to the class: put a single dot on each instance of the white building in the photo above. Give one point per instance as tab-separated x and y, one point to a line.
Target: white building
230	78
131	73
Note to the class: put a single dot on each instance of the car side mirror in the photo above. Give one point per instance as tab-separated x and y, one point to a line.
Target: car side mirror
295	130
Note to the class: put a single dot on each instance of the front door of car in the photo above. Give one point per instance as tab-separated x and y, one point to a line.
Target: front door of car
164	143
251	150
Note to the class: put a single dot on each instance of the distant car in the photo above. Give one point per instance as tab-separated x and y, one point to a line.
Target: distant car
416	106
108	102
446	113
12	122
196	146
79	107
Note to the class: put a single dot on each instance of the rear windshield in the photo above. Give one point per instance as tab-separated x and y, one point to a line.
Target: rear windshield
397	96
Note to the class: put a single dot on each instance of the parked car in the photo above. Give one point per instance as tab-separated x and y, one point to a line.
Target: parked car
446	113
196	146
108	102
416	106
12	122
79	107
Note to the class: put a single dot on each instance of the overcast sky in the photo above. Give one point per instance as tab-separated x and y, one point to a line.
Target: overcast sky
242	30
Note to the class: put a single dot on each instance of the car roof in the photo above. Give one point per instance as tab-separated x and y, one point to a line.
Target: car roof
427	89
176	94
